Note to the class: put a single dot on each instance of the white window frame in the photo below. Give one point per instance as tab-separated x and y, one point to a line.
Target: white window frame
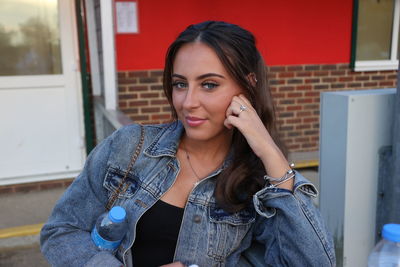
392	63
109	61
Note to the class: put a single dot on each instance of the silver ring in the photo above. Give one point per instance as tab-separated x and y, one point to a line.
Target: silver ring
242	108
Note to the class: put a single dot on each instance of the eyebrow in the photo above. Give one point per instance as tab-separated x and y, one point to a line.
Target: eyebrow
203	76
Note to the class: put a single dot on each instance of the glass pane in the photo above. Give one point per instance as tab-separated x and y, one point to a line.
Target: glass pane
29	37
374	33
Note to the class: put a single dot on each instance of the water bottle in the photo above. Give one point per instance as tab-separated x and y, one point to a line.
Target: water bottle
110	229
387	252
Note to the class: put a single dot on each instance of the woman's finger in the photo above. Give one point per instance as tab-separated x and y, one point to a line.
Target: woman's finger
227	124
243	98
233	109
229	111
232	121
243	101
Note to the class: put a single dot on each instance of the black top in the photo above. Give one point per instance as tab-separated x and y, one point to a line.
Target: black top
156	235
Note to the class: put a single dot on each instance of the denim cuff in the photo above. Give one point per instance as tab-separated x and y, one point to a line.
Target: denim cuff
104	258
301	187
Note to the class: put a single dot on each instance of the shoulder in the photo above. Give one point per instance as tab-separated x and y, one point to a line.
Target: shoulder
125	140
132	132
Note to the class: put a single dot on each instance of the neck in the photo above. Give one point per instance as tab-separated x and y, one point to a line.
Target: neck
214	149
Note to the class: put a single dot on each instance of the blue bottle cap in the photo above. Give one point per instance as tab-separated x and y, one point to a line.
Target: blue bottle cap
391	232
117	214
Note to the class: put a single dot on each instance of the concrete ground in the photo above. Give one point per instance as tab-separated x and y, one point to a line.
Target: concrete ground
19	209
23	256
27	208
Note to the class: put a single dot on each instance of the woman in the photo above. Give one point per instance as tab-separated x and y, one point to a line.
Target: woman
205	186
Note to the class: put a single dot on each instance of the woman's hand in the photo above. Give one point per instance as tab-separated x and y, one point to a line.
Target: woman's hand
249	124
241	114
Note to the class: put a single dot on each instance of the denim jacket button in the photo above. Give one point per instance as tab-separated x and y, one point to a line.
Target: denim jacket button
197	218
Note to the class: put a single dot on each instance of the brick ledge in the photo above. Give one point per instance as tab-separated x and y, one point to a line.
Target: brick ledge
35	186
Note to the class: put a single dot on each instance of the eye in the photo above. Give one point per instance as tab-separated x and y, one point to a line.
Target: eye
209	85
179	85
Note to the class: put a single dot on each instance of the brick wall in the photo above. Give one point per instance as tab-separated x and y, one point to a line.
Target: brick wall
141	96
296	90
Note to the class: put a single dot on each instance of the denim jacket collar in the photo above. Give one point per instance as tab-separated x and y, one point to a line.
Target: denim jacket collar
166	142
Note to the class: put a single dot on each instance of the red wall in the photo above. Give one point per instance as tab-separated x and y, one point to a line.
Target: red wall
288	32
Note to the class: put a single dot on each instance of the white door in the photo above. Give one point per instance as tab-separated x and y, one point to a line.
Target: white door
41	117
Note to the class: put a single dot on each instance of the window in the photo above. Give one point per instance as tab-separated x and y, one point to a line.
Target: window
375	35
29	38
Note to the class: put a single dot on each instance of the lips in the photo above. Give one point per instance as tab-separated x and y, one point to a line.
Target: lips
194	121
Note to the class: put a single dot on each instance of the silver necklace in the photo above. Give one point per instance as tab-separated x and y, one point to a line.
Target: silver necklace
190	163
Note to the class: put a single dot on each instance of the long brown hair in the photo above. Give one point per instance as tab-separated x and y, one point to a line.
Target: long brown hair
237	51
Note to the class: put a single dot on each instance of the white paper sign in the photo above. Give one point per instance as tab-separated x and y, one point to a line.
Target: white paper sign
126	17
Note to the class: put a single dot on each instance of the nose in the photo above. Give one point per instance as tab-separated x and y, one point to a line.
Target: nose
191	98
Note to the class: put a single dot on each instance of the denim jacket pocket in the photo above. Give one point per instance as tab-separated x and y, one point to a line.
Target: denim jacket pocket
113	179
226	231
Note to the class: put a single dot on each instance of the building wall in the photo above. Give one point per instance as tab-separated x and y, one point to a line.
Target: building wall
296	90
288	32
306	44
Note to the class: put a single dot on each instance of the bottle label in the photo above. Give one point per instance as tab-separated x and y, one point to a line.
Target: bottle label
103	243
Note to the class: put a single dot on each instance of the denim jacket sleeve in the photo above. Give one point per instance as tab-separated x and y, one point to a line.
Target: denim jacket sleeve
65	238
291	227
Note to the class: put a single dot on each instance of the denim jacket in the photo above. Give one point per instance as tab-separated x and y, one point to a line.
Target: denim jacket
285	222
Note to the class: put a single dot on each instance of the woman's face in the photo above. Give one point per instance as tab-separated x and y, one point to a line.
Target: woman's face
202	91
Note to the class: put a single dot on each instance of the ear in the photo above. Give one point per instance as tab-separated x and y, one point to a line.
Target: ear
252	79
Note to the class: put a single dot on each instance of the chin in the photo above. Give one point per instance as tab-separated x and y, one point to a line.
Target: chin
204	134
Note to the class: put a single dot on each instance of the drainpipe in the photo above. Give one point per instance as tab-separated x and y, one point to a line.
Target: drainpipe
85	78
